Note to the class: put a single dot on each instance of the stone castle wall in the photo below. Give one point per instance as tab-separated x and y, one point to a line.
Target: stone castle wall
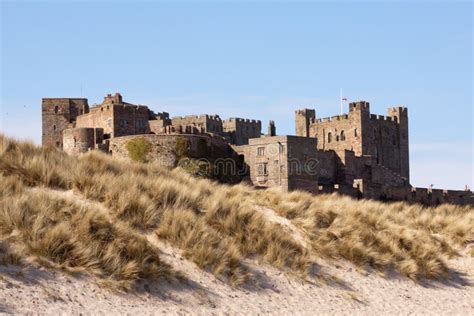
383	137
59	114
164	147
204	123
80	140
358	154
429	196
281	161
100	117
241	130
117	119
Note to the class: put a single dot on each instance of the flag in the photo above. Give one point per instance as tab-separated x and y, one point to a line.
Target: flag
344	99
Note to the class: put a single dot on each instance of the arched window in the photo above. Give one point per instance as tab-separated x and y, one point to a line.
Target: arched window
343	136
56	109
54	127
329	137
375	133
355	132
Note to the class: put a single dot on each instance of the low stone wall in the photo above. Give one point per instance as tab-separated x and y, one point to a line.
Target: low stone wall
166	149
429	196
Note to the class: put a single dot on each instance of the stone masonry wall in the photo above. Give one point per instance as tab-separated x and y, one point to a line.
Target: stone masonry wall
78	140
383	137
117	119
100	117
163	147
204	123
281	161
59	114
81	140
130	120
241	130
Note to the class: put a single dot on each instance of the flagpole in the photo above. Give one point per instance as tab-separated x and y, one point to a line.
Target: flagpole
340	100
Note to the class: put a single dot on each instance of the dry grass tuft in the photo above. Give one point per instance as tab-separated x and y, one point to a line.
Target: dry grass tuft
101	226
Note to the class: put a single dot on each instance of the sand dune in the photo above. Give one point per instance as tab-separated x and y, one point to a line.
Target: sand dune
345	290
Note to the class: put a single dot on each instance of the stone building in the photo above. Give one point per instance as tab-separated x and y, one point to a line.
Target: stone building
383	137
241	130
358	154
202	123
117	118
59	114
288	162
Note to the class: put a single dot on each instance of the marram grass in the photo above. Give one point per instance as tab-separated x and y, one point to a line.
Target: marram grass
102	227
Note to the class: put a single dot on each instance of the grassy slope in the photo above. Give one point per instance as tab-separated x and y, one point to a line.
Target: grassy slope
101	228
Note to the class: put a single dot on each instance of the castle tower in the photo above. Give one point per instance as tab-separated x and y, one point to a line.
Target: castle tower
113	99
303	120
271	128
59	114
401	116
359	116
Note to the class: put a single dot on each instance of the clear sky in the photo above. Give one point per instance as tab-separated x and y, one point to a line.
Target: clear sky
255	60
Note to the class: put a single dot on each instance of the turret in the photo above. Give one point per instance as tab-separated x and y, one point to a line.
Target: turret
113	99
359	106
303	120
400	114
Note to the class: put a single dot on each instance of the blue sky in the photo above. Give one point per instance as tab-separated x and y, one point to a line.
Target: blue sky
257	60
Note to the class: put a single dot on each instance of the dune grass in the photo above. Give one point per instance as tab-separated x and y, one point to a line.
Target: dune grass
413	239
101	228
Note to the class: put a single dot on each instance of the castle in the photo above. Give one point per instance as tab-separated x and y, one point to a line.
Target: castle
358	154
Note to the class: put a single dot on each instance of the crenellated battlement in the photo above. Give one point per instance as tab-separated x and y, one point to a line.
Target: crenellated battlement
242	120
304	111
398	109
359	106
332	118
375	117
214	117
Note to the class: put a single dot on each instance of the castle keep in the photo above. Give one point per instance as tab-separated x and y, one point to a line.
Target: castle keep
358	154
383	137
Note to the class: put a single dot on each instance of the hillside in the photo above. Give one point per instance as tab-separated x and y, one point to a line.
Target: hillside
168	238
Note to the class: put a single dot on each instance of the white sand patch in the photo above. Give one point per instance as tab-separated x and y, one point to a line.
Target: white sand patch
36	290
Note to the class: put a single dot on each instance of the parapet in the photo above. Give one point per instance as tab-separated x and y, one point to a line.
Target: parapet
114	99
305	112
162	115
332	118
359	106
242	120
398	111
383	118
214	117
